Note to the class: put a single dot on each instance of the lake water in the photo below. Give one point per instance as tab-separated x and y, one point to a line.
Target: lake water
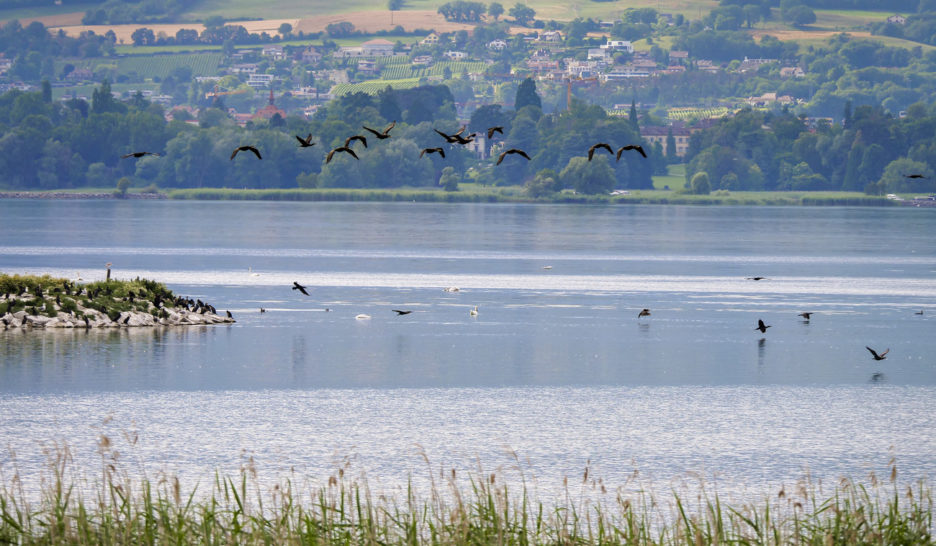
556	367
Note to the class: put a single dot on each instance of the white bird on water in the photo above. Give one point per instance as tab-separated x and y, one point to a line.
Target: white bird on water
251	271
362	316
452	289
473	312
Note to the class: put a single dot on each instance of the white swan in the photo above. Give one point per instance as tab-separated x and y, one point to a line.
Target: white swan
547	267
474	312
452	289
252	274
362	316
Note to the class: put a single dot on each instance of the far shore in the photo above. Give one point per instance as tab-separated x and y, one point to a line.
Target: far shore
473	193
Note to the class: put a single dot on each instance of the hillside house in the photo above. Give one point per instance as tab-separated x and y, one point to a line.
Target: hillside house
430	40
659	134
422	60
274	52
618	45
311	56
753	64
598	54
677	56
456	55
497	45
792	72
258	81
377	47
897	19
550	36
367	66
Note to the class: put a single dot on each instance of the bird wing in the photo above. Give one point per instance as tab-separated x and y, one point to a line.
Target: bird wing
760	324
492	130
255	151
460	131
366	128
235	152
441	152
885	352
873	352
641	150
443	135
328	158
125	156
304	141
522	154
391	126
500	158
423	152
350	151
353	138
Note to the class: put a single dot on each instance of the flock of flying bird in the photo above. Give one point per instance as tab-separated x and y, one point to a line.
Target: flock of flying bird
761	326
454	138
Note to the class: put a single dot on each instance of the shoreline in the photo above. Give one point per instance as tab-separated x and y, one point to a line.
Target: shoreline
79	195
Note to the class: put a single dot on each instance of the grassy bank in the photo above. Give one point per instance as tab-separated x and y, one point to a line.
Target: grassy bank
514	194
474	509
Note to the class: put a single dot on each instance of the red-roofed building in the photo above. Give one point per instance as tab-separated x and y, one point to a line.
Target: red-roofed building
268	111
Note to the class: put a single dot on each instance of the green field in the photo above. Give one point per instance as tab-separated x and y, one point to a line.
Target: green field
149	66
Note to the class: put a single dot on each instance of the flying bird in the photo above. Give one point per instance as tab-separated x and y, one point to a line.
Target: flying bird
637	147
591	151
915	175
448	138
464	140
495	129
246	149
351	139
756	278
378	134
305	142
456	138
644	313
439	151
805	315
401	312
138	154
876	356
299	287
511	151
761	326
344	149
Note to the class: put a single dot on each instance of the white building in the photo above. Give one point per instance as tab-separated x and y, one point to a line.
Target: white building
622	45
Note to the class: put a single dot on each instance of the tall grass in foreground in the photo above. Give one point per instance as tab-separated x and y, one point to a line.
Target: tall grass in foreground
475	509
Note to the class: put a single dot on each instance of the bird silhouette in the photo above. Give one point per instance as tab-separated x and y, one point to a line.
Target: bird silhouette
460	131
756	278
761	326
448	138
511	151
456	138
299	287
401	312
591	151
495	129
643	313
138	154
439	151
246	149
229	315
305	142
262	310
876	356
351	139
464	140
805	315
637	147
344	149
915	175
920	312
378	134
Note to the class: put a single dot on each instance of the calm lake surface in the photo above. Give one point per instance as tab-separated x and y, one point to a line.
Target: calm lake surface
556	366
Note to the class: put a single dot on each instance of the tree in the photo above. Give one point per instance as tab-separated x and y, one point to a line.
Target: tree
522	14
143	36
588	177
285	29
122	186
546	182
671	147
495	10
395	5
895	178
526	95
800	15
699	185
449	179
632	115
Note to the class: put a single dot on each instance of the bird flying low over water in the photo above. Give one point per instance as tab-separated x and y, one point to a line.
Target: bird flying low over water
344	149
378	134
761	326
495	129
350	139
299	287
643	313
439	151
401	312
600	145
521	153
305	142
637	147
756	278
877	356
805	315
246	149
138	154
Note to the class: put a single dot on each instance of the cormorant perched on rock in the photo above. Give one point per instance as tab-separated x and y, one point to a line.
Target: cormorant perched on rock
521	153
591	151
378	134
246	149
299	287
637	147
761	326
876	356
344	149
439	151
305	142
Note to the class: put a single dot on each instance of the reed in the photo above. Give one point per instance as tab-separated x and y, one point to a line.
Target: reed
480	508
